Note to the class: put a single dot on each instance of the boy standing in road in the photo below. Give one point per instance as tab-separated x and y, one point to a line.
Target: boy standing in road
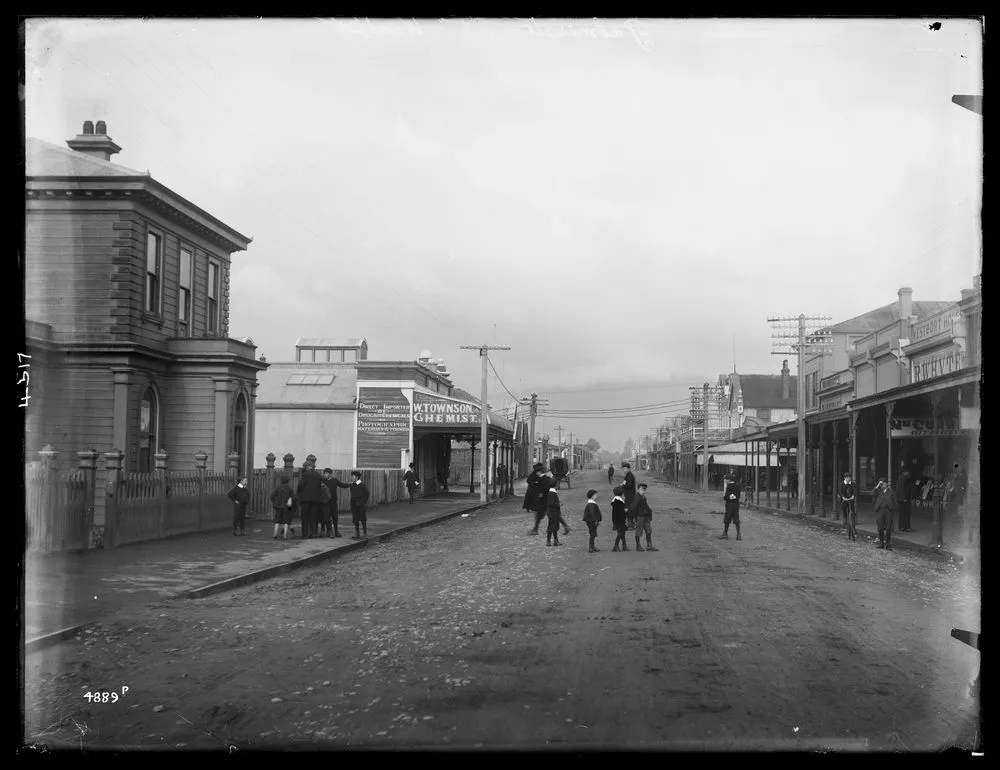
592	517
553	509
732	499
359	502
643	520
628	491
619	519
885	507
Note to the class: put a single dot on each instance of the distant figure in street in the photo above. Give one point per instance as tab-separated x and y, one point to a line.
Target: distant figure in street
628	490
885	507
619	519
731	496
643	520
359	505
849	507
410	479
611	474
793	480
332	514
284	502
502	478
241	498
903	498
553	509
534	495
310	494
592	517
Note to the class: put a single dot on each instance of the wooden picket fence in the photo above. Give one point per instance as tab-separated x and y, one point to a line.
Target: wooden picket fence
384	485
59	510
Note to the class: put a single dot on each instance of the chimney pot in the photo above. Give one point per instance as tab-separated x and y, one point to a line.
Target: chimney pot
102	127
88	127
905	295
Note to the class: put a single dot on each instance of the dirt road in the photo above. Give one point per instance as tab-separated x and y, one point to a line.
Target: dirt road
471	633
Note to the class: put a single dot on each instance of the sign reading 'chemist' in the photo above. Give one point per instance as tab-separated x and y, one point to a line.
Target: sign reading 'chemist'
436	411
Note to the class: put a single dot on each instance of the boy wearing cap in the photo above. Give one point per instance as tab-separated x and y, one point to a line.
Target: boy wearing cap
359	503
592	517
643	520
885	507
732	515
553	509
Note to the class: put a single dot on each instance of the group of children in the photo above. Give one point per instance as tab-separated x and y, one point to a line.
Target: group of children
640	511
315	500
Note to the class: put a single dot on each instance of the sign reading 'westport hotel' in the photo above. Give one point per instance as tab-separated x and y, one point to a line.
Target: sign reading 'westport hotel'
437	411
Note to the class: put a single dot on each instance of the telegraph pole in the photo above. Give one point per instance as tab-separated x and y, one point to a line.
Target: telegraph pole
704	470
560	429
813	340
572	455
533	413
484	355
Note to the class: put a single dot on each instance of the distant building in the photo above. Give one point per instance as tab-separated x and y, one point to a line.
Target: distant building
755	400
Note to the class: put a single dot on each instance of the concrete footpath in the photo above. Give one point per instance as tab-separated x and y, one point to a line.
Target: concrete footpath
955	536
64	592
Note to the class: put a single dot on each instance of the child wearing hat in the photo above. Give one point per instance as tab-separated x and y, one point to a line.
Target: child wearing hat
592	517
284	501
553	509
619	519
643	520
732	500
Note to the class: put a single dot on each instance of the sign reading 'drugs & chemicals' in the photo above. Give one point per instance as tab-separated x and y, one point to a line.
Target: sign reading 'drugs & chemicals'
383	427
437	411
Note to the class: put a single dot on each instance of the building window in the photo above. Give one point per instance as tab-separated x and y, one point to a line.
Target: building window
213	298
154	258
147	431
184	292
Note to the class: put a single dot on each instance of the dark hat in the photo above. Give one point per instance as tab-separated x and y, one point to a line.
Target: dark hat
626	465
537	466
643	485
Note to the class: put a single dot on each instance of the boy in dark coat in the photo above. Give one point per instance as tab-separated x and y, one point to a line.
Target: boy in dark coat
592	517
535	486
619	519
241	498
284	501
331	515
628	492
410	479
553	509
310	495
643	520
731	496
885	507
359	502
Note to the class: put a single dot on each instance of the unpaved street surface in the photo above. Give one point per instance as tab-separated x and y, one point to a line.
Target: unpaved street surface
470	633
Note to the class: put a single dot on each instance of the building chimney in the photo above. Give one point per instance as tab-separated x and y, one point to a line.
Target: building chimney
905	302
97	143
785	381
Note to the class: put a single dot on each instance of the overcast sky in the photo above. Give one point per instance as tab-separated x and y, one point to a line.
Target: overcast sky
614	200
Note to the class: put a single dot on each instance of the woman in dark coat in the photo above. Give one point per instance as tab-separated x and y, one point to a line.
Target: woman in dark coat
241	498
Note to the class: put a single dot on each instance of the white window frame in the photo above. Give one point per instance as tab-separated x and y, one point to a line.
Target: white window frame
212	322
185	294
153	287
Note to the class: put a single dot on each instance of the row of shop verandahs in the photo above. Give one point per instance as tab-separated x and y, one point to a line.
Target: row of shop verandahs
932	429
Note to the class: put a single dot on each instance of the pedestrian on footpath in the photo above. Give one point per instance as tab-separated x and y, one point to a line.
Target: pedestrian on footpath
619	519
332	515
592	517
410	479
283	501
848	507
359	503
553	509
241	498
903	498
885	508
628	490
731	496
536	488
643	520
310	494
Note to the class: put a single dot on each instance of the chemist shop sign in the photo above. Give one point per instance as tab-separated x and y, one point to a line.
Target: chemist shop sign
383	427
428	410
937	363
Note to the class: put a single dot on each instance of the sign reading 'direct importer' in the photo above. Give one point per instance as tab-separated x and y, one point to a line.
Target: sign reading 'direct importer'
383	427
437	411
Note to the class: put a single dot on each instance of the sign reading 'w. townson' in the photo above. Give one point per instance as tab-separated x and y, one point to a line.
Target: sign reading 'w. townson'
437	411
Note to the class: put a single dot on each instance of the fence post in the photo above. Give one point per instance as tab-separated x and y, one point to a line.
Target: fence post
289	460
112	507
160	465
88	464
200	464
49	458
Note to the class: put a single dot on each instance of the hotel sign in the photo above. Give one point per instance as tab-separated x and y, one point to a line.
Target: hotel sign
437	411
938	363
943	322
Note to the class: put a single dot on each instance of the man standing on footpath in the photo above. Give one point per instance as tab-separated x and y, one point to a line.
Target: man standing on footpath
885	507
410	479
628	492
310	494
332	515
732	499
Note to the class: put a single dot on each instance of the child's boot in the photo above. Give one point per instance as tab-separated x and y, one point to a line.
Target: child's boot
638	545
650	546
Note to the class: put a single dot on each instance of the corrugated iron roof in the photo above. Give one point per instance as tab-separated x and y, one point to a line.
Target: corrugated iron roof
274	386
47	159
881	317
